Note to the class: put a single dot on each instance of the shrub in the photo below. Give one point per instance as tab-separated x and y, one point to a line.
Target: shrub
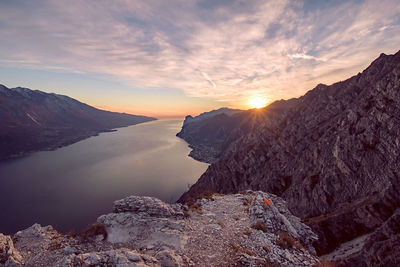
245	192
259	226
221	224
239	249
186	214
54	245
205	195
93	231
194	206
287	241
247	232
248	203
72	233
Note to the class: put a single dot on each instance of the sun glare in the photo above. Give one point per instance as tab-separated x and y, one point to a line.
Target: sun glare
257	102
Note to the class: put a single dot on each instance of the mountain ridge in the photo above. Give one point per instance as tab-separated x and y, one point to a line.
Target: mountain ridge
207	148
211	137
32	120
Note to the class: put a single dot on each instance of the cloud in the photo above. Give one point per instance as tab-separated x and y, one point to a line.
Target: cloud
208	79
304	56
275	48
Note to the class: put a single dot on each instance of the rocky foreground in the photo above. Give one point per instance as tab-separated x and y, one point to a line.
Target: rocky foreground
247	229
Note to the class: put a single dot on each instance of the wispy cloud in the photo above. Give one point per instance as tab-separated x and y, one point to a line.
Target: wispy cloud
226	50
208	79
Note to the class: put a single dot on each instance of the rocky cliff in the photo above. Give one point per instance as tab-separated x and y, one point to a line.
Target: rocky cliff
334	156
247	229
207	133
32	120
211	133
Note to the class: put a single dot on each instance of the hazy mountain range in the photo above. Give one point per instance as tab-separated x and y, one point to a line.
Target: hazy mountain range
32	120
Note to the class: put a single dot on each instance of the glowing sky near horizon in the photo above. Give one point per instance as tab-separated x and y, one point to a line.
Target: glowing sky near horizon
179	57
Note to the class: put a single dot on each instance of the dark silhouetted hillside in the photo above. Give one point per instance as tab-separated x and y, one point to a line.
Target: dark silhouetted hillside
31	120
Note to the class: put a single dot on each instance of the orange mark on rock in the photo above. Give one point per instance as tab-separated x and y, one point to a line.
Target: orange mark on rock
266	201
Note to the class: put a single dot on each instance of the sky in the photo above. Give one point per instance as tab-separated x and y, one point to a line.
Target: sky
179	57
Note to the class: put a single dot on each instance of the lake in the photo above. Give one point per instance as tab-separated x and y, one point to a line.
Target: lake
71	186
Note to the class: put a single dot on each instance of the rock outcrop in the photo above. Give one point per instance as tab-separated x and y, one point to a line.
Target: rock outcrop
9	256
380	248
155	223
333	155
247	229
118	257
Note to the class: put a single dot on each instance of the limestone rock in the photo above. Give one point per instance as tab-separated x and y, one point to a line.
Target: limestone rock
9	256
150	206
277	218
168	258
36	232
153	222
144	231
119	257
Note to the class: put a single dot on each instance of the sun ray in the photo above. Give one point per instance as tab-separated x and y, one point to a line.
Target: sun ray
257	102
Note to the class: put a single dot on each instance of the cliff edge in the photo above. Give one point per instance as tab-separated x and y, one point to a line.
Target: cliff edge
247	229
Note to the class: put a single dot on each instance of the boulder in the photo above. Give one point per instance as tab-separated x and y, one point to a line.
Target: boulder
9	256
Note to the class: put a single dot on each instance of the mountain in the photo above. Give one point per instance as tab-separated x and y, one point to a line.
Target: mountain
211	133
207	132
212	113
334	156
217	230
31	120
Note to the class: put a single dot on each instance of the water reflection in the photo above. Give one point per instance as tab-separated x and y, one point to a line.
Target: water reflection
70	187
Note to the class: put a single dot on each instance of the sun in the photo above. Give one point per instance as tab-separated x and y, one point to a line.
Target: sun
257	102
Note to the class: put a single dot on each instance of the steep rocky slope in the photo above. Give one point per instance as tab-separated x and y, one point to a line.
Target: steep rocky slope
207	132
333	156
32	120
218	230
380	248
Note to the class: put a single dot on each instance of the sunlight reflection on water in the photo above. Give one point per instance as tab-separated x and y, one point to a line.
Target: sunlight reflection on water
70	187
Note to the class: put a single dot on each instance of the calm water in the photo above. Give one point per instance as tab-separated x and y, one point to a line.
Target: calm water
70	187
